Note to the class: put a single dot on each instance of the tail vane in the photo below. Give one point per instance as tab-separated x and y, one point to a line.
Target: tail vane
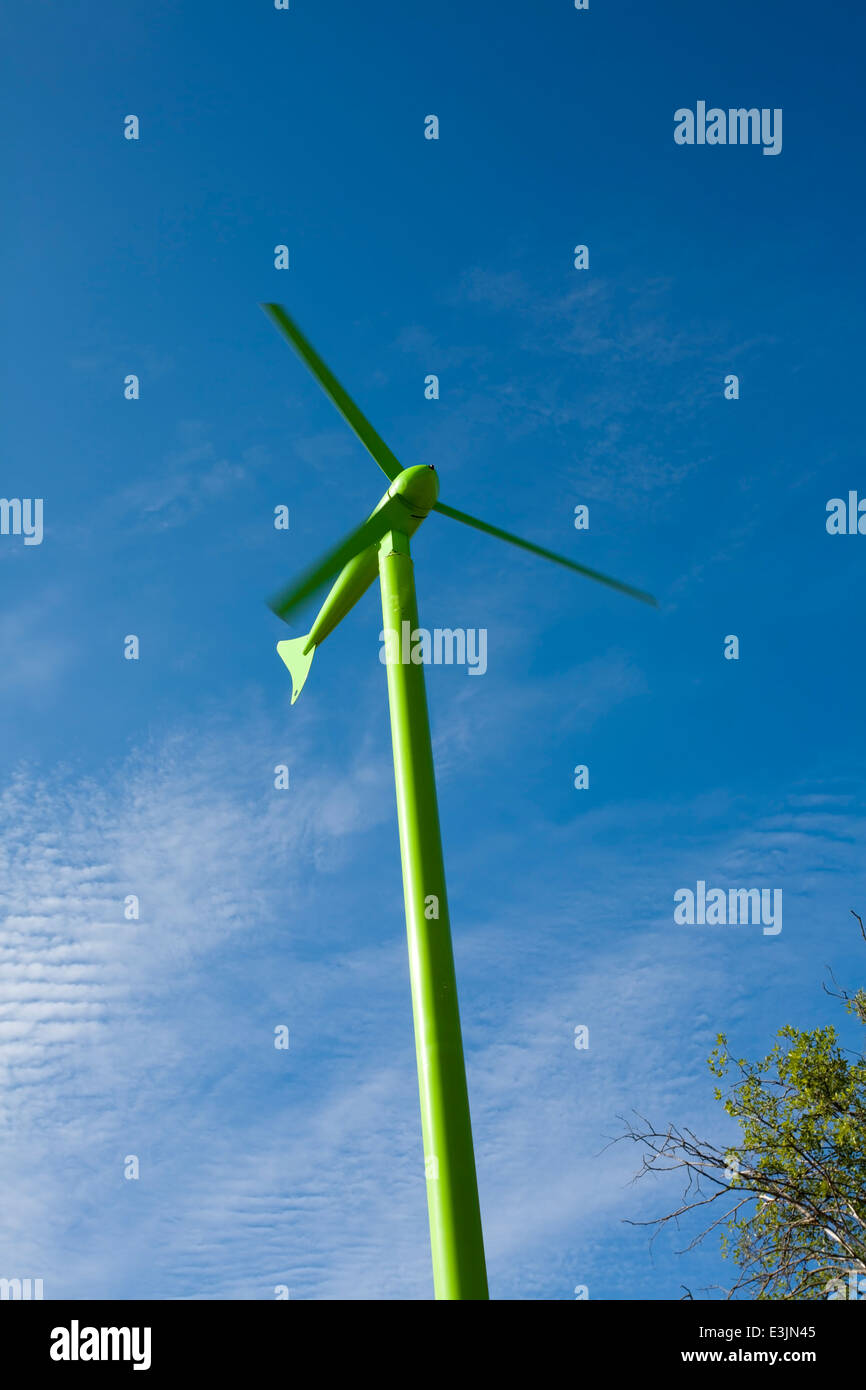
298	660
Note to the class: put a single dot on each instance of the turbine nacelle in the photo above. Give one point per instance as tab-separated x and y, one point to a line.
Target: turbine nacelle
417	488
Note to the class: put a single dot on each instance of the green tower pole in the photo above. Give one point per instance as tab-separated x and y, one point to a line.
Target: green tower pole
456	1238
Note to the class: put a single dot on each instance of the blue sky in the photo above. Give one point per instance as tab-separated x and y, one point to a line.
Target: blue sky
558	387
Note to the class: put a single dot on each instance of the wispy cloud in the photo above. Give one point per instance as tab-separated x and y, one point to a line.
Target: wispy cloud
258	1167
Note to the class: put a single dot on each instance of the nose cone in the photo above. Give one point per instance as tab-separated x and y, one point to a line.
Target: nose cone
418	487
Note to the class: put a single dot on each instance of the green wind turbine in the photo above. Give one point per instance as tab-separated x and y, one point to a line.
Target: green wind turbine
380	545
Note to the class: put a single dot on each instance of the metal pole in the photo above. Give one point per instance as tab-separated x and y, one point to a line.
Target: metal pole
452	1191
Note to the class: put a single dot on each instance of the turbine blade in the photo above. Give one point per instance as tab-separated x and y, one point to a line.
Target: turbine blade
354	418
545	554
293	597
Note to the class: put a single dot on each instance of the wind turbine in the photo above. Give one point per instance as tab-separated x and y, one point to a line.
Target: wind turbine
380	545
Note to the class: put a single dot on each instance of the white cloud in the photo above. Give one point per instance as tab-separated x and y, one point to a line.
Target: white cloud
304	1167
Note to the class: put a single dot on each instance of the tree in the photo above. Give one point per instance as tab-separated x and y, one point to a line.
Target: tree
796	1227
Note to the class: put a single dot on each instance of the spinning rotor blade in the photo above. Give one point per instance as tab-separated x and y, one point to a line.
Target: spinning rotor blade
354	418
293	597
545	554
